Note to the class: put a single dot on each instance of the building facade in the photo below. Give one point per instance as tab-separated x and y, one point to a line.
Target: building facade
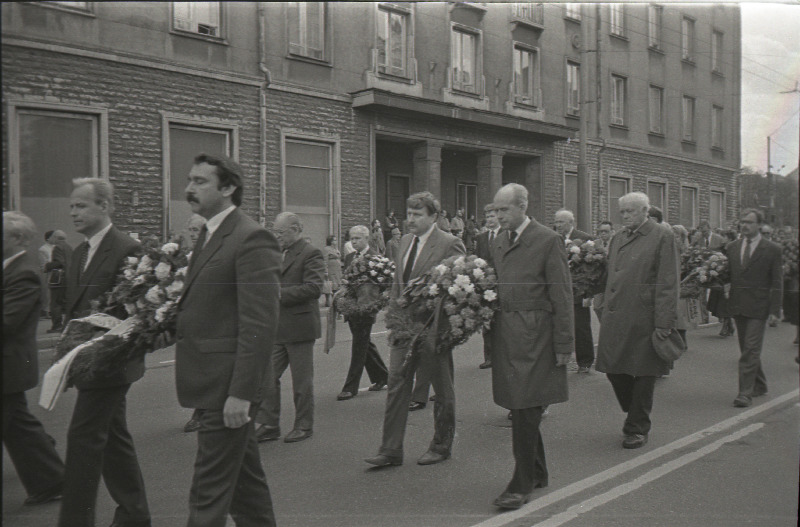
338	111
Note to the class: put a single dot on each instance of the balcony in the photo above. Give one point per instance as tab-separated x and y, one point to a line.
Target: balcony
394	80
525	107
465	92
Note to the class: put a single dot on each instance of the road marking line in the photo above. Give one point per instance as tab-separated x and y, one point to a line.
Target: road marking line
626	488
579	486
167	361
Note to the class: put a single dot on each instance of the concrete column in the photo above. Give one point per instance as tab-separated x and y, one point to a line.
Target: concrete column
535	184
428	168
490	176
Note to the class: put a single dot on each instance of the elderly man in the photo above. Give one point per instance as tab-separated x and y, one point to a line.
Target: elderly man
641	300
364	353
484	248
302	274
532	335
755	298
31	449
584	344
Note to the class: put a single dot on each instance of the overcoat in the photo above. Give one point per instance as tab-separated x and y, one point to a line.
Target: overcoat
22	302
302	277
535	320
641	295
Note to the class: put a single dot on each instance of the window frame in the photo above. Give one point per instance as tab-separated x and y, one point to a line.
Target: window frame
408	39
722	206
466	185
692	136
616	28
477	35
85	11
688	38
717	127
655	20
614	104
695	205
535	86
716	51
572	11
300	51
565	173
219	39
665	201
572	111
628	184
661	131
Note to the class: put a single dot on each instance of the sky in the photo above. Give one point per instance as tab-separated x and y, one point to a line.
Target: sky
770	65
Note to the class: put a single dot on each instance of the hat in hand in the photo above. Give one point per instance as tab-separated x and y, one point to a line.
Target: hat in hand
670	348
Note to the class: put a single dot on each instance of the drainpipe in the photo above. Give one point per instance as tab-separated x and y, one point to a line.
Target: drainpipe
598	103
262	107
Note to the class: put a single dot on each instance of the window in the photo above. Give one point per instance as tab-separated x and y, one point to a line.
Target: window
655	14
468	200
527	12
687	39
716	209
573	88
618	100
617	187
184	143
526	75
717	130
307	183
687	118
617	19
392	41
307	29
202	18
716	52
656	102
689	207
570	201
572	10
657	193
463	60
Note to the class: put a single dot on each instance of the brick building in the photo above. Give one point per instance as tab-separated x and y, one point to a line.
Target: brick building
339	110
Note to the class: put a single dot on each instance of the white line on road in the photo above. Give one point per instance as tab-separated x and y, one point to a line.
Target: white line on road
579	486
167	361
626	488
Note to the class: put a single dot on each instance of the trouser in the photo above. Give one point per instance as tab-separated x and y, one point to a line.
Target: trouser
487	345
530	467
99	444
635	396
751	338
57	297
584	345
300	357
30	448
440	368
364	354
422	383
228	476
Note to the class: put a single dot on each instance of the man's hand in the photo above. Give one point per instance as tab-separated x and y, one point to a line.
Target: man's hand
772	321
236	412
587	302
562	359
662	333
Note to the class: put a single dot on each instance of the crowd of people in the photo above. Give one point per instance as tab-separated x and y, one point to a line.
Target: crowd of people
250	309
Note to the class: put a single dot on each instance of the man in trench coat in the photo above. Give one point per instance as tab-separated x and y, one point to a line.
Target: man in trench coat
532	335
641	298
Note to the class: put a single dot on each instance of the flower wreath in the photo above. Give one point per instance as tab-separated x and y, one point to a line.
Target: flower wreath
365	286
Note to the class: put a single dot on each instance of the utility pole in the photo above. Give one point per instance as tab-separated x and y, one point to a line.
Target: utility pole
584	211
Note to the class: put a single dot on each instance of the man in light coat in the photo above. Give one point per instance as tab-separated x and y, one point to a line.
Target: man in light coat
532	334
641	298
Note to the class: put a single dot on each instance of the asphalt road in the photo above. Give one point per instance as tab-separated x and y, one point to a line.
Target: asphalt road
707	463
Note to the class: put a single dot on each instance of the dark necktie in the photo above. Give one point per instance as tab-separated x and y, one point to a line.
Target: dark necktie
512	235
746	256
491	238
412	255
84	258
198	246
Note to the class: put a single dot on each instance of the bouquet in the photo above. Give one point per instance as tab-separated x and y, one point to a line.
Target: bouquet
147	292
365	286
790	257
711	271
587	263
444	307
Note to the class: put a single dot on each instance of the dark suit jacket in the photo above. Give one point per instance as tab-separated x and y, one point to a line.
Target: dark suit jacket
62	254
352	256
756	290
22	301
440	246
227	316
100	277
302	274
581	236
717	241
482	247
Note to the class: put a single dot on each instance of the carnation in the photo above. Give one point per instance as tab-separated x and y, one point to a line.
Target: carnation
129	274
453	290
480	262
170	248
161	312
490	296
460	261
575	249
162	270
181	271
433	290
468	288
462	280
132	260
174	289
478	273
153	295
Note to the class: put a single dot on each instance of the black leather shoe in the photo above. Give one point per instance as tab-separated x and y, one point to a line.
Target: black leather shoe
742	401
297	435
345	396
634	441
431	458
485	365
378	386
416	406
267	433
511	500
382	460
193	425
44	497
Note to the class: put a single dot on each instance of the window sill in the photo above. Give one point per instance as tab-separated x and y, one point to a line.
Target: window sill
656	49
688	61
88	12
527	23
573	115
718	73
620	37
481	7
198	36
571	19
656	134
690	142
465	99
718	149
466	93
618	126
310	60
525	111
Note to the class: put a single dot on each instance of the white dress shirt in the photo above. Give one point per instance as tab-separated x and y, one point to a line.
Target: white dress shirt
213	224
420	244
94	243
753	245
521	227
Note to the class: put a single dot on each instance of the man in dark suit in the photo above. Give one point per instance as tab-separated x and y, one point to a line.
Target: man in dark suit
227	321
532	333
98	441
484	248
420	251
30	448
364	353
56	270
302	274
584	344
708	239
755	297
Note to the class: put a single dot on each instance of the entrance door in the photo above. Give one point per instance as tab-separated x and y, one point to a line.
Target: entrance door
397	196
468	200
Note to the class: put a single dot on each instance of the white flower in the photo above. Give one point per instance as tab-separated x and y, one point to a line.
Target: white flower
138	280
589	243
129	274
371	263
468	288
189	255
490	295
433	289
480	262
163	269
132	260
460	261
161	312
153	295
373	272
478	273
575	249
441	269
462	281
145	264
453	290
140	304
713	273
174	289
170	248
181	271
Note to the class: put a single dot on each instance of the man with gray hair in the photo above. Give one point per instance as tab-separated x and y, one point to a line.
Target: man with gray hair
641	298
